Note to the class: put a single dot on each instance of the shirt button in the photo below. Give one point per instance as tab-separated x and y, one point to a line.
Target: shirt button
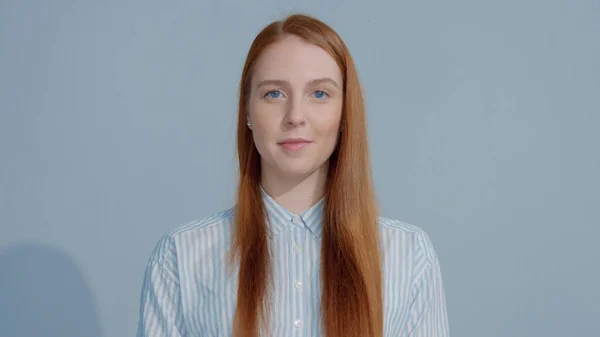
297	248
297	323
297	284
295	220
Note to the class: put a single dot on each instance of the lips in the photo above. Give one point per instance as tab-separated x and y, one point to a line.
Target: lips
294	144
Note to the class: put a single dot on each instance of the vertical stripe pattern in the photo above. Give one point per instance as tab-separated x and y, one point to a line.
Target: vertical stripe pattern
188	290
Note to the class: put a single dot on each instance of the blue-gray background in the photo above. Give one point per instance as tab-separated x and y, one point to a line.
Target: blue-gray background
118	122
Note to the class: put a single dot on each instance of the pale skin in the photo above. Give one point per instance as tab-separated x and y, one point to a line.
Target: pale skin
296	92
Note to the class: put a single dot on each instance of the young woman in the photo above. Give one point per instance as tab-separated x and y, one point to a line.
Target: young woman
304	251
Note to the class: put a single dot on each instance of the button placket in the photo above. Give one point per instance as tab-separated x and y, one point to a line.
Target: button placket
298	283
298	277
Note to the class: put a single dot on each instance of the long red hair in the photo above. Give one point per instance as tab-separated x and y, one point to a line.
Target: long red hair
351	272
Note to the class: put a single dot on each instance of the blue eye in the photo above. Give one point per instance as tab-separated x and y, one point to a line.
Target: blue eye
273	94
320	94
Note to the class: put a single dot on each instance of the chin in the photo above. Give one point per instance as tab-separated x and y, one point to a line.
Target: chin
296	172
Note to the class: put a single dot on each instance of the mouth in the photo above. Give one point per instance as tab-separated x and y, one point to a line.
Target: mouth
294	144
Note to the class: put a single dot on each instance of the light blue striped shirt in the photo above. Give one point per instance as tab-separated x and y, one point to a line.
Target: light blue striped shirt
187	291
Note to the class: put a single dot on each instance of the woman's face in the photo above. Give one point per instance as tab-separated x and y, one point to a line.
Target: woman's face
295	107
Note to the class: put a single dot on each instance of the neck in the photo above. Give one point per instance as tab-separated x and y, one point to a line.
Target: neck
296	194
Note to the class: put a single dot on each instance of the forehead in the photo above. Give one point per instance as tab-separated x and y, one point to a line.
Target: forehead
294	60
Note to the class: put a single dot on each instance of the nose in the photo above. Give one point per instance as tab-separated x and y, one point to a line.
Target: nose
294	115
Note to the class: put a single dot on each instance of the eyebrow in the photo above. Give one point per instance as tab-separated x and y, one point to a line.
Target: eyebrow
311	82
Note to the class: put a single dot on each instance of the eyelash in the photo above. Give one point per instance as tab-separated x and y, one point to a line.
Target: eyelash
324	92
277	90
270	92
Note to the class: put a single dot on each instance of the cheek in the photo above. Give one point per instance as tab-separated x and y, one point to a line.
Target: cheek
265	125
265	129
264	115
329	124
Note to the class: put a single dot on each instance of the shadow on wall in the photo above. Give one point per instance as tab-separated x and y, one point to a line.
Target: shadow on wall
42	293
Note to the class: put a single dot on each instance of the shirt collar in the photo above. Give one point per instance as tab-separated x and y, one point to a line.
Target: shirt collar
279	217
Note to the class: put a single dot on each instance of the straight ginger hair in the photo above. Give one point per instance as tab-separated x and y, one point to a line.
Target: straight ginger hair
351	266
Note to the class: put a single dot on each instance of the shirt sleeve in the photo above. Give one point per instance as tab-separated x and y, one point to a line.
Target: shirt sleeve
428	315
160	307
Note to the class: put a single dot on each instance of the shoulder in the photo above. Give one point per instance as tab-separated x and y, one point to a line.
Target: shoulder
411	239
220	219
185	236
398	226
